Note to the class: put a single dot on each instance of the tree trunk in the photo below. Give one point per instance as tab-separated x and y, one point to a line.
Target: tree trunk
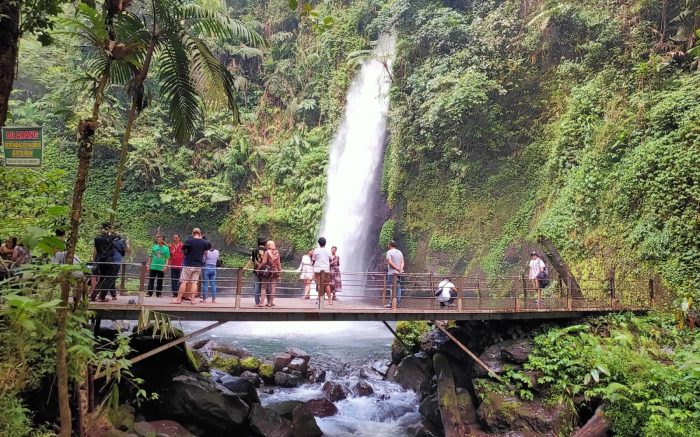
86	134
9	45
447	398
597	426
562	268
138	83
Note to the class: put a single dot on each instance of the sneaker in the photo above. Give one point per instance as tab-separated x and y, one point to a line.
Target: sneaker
387	305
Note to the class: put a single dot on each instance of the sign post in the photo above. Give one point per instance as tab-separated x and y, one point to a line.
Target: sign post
22	146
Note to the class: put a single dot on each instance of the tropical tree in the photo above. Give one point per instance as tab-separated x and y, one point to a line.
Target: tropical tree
109	60
187	70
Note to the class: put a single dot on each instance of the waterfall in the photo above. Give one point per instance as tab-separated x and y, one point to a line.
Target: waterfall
355	157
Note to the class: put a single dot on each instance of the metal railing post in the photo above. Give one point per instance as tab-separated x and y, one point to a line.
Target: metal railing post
384	289
460	293
569	302
394	298
517	294
611	281
478	289
122	282
142	283
239	280
652	298
522	280
432	287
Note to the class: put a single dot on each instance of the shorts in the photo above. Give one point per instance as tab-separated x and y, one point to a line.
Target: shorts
190	274
317	278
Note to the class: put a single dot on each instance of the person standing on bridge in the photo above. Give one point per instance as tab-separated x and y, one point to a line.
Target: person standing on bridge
175	263
158	261
255	261
537	267
322	265
194	249
306	269
336	283
211	262
271	275
395	266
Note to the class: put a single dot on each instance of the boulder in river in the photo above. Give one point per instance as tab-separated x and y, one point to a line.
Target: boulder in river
252	377
317	407
286	380
266	422
190	398
414	373
211	346
362	388
299	364
224	362
304	425
518	352
333	391
298	353
250	363
495	358
281	361
285	408
243	388
430	410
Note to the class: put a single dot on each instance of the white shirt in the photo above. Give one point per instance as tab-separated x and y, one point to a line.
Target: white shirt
445	286
322	260
536	266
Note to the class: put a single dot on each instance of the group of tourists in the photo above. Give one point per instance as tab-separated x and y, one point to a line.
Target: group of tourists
13	255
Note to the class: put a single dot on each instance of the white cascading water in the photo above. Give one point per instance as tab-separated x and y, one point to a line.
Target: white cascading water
355	158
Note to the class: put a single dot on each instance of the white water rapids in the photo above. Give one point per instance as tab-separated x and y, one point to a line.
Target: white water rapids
355	159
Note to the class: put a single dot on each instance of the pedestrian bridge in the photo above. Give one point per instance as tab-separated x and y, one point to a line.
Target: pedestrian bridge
364	297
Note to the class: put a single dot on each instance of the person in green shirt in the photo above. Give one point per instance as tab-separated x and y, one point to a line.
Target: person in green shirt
158	261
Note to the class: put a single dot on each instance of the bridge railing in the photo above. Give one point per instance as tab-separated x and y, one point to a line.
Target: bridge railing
236	288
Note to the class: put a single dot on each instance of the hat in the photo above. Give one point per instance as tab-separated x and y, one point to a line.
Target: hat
533	253
106	226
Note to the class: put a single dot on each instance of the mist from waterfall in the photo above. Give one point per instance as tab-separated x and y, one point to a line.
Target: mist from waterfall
355	158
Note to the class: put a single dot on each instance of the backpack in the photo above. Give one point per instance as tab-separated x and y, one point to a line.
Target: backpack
266	271
257	260
107	256
219	263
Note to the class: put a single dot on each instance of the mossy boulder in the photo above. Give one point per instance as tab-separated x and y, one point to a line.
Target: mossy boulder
198	360
226	363
250	363
123	418
266	371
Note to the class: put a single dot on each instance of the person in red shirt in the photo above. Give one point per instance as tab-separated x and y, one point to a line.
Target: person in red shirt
175	263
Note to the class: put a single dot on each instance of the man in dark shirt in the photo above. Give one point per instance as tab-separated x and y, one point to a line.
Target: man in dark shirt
107	269
194	249
255	261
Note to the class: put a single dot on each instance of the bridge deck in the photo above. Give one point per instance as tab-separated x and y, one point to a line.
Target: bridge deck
296	309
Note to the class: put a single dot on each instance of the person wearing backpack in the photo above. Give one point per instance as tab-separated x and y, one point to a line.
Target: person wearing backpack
255	260
270	271
107	269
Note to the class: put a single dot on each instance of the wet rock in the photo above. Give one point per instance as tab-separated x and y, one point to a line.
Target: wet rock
333	391
224	362
252	377
211	346
243	388
363	388
304	425
414	373
250	363
190	398
165	428
518	352
315	375
424	429
317	407
199	344
281	361
467	407
198	359
299	364
296	373
493	357
381	366
267	423
447	395
398	352
500	413
217	375
430	410
392	371
266	371
298	353
285	408
286	380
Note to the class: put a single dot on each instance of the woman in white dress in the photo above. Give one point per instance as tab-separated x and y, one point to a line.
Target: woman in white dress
307	273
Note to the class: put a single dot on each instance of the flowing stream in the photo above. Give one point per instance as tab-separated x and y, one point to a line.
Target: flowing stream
355	159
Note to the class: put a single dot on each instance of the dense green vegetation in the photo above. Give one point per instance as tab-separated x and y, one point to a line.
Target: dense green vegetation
644	370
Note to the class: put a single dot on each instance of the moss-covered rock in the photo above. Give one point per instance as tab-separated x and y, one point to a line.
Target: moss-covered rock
250	363
198	360
266	371
226	363
123	418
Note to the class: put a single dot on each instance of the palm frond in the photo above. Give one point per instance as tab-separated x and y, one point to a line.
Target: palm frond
177	88
211	23
211	79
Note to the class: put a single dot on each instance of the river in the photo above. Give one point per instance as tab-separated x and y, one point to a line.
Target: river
342	349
